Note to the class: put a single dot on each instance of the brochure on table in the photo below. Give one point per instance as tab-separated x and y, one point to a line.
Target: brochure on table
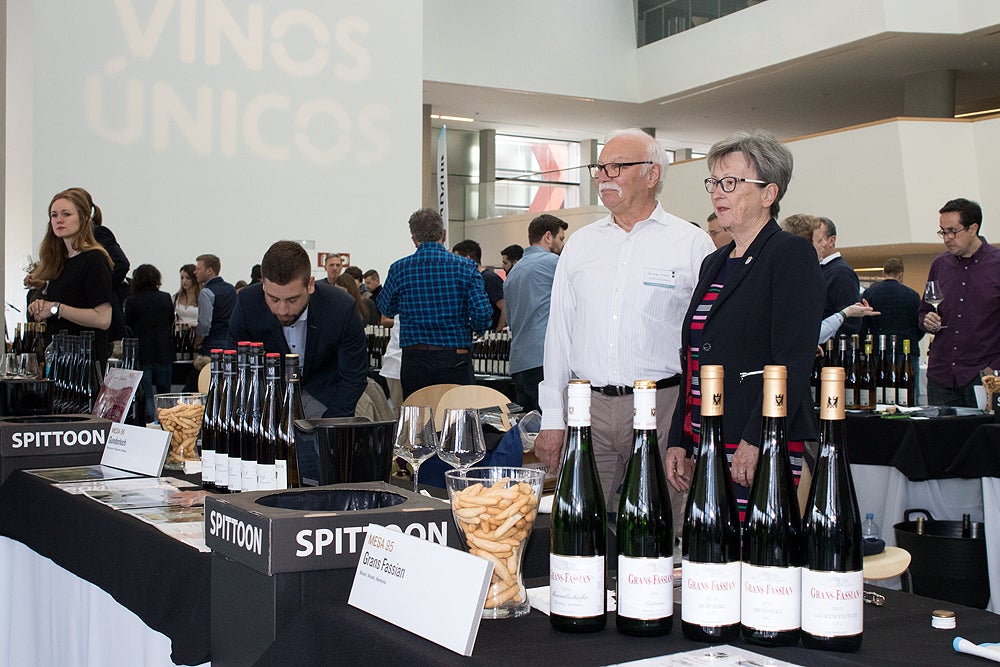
399	580
116	394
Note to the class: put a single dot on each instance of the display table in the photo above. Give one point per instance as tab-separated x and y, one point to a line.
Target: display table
333	632
163	582
949	466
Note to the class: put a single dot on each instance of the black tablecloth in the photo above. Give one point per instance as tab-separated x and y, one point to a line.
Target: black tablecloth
921	449
164	582
335	633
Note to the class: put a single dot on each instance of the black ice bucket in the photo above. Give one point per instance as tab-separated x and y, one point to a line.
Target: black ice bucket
944	564
344	450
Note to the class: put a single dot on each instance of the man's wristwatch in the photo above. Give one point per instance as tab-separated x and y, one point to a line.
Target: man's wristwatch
55	309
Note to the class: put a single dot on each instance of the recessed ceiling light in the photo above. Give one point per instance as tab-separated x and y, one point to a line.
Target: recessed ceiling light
984	112
455	118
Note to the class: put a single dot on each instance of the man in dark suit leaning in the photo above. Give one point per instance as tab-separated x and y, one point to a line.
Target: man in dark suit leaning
290	313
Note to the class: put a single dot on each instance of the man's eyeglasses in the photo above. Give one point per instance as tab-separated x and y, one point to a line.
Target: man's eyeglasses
612	169
949	233
728	183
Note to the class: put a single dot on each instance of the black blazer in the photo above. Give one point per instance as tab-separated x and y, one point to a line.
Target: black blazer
150	316
768	312
336	357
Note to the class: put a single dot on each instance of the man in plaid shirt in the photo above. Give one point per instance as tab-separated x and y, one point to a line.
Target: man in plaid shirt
441	301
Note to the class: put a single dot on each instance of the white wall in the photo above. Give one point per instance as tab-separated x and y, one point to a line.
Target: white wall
211	126
584	48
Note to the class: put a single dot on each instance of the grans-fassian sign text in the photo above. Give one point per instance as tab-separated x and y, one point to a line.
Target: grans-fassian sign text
58	438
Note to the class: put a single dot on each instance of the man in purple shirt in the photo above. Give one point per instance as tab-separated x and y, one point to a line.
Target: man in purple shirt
966	326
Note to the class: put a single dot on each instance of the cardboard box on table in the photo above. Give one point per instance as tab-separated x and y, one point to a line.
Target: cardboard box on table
51	441
274	551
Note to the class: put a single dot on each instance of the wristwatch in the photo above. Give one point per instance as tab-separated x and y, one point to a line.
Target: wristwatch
55	309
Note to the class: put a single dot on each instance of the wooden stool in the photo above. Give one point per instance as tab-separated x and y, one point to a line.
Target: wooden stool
893	562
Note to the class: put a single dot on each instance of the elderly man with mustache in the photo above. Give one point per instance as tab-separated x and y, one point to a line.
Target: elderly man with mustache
619	295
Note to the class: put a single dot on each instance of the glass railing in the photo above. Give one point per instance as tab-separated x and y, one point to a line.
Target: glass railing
658	19
520	196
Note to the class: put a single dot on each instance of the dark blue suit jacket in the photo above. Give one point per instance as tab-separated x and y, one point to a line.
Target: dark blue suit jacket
768	312
336	357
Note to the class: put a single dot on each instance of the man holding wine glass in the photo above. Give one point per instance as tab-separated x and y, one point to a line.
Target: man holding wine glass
962	307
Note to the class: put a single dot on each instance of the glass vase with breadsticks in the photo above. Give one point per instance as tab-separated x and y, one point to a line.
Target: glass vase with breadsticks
991	383
181	414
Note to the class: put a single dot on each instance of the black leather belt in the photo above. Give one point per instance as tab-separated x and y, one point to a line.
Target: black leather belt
435	348
620	390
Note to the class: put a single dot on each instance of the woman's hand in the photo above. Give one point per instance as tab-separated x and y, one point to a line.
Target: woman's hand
744	463
40	309
859	309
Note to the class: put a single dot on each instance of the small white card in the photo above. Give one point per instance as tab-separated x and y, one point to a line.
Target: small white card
136	449
399	580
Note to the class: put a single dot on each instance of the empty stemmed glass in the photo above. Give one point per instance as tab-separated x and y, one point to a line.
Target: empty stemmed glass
416	439
462	442
934	296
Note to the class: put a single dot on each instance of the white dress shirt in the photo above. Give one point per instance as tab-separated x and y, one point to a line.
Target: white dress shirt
618	304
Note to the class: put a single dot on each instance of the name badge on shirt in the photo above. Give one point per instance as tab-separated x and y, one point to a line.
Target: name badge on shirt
660	278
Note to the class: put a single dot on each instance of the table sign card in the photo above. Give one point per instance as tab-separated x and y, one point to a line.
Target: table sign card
399	580
136	449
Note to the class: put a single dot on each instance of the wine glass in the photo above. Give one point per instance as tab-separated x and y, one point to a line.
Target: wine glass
416	440
462	442
27	365
933	295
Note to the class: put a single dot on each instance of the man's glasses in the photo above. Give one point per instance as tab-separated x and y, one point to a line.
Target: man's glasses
949	233
728	183
612	169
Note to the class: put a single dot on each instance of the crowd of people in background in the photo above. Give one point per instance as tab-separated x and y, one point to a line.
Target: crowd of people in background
613	302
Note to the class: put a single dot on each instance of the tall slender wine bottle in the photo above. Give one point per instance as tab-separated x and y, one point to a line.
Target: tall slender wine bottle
645	529
832	581
286	464
850	371
866	380
881	370
710	566
267	446
253	411
224	436
772	537
210	420
579	532
907	381
892	372
236	416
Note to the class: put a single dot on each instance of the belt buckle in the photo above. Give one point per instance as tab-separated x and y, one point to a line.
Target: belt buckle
618	390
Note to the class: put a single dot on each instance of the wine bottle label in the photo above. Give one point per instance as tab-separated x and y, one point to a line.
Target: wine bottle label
222	470
235	474
771	597
710	593
576	585
832	603
645	587
890	396
644	418
863	398
280	474
266	480
208	465
902	396
248	473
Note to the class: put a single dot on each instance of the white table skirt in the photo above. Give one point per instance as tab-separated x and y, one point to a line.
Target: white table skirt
887	493
52	617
